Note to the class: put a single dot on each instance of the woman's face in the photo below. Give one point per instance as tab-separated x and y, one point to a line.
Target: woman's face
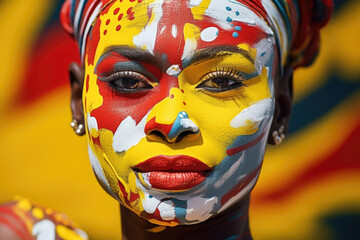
178	99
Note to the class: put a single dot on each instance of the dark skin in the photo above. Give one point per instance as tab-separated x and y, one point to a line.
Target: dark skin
233	221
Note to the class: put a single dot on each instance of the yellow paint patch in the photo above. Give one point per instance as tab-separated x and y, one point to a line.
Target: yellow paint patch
156	229
167	110
199	11
38	213
168	224
24	204
133	27
93	97
191	31
67	234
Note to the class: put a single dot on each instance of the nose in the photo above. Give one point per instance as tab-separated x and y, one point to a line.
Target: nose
181	128
169	120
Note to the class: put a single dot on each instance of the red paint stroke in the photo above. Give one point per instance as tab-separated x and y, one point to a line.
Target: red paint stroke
236	150
133	196
343	159
17	225
241	185
152	125
156	215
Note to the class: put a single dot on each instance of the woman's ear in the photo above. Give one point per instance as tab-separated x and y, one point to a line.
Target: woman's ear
76	75
283	102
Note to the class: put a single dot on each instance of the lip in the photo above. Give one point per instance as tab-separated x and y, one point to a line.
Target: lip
178	172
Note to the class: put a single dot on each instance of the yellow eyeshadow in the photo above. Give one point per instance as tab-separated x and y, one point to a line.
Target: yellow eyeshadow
194	73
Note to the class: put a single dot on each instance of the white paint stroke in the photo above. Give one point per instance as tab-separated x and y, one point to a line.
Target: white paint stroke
167	210
189	48
44	230
92	123
173	70
128	134
150	203
239	195
209	34
255	114
95	164
229	172
147	37
189	124
174	30
199	209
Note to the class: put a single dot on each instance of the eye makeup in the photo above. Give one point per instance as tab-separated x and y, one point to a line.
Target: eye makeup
111	63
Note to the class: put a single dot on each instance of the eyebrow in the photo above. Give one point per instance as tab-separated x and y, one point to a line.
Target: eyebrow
134	54
217	51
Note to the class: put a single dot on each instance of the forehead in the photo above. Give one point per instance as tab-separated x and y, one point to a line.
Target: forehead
176	27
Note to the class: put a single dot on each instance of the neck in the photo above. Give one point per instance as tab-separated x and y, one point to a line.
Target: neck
232	224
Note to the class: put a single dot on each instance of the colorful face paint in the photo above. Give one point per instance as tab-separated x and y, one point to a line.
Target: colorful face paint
178	109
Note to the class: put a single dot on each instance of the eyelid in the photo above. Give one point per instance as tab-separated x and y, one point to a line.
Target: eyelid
224	72
127	73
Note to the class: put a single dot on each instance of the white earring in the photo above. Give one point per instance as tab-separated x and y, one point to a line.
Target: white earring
78	128
278	135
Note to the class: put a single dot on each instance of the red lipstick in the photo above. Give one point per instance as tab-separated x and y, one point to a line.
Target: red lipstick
178	172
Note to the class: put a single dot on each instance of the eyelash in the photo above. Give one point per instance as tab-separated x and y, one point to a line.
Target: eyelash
120	76
229	74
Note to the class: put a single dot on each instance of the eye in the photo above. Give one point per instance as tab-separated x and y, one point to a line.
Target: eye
222	80
128	81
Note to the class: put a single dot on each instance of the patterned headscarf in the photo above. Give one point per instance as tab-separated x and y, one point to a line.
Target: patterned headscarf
296	24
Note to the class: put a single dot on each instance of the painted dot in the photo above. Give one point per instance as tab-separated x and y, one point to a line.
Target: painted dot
238	28
118	27
237	13
38	213
48	211
209	34
228	19
120	16
131	16
184	103
262	54
182	90
132	0
140	1
171	96
116	11
105	32
24	204
107	22
129	10
235	34
228	8
150	196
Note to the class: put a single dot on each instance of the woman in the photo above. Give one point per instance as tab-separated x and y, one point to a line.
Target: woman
178	100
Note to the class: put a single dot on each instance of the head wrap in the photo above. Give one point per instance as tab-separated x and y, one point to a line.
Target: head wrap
296	24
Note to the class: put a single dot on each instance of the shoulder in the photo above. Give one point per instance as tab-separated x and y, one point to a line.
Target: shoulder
21	219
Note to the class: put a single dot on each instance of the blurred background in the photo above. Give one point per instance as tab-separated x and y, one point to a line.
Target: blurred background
309	187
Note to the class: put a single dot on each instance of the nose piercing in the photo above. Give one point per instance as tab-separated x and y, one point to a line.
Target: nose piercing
278	135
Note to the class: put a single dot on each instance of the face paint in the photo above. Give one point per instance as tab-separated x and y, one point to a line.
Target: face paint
178	109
